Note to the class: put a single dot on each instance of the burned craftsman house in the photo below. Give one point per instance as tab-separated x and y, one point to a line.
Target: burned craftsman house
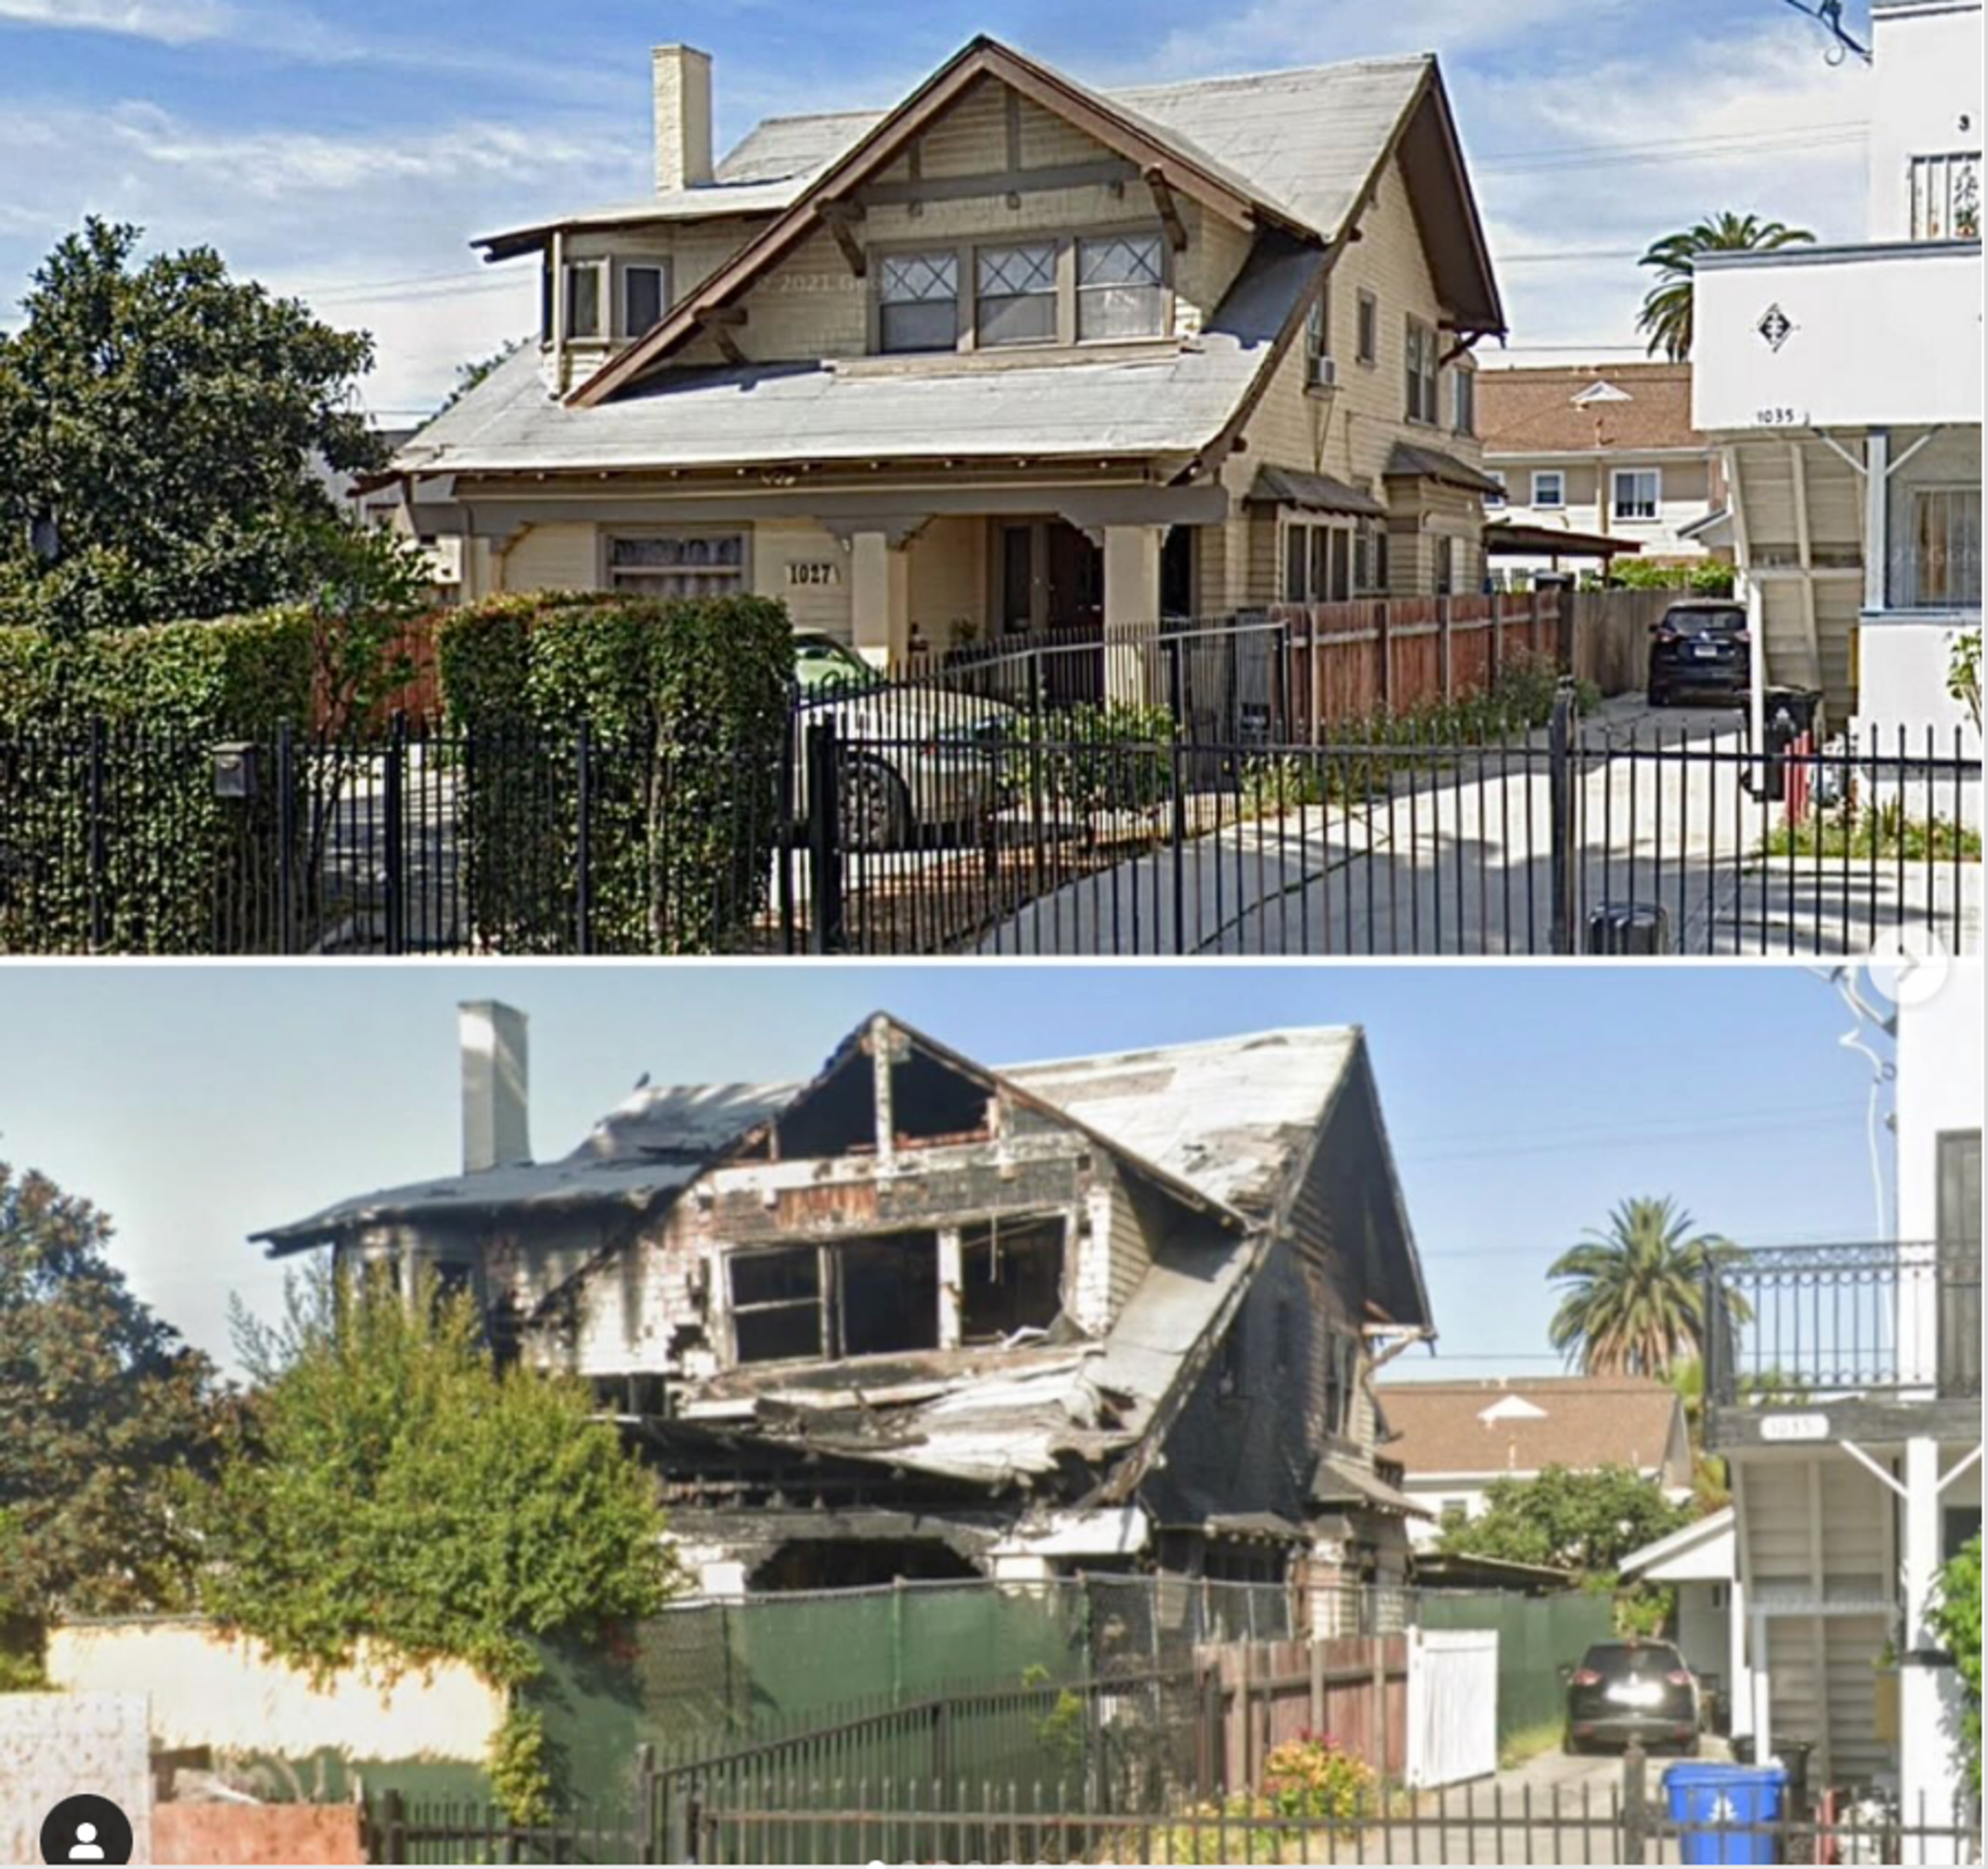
919	1317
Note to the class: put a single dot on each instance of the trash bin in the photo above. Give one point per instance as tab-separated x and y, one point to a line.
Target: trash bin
1702	1797
1788	713
1629	928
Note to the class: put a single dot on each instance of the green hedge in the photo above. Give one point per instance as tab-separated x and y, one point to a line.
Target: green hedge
686	704
127	719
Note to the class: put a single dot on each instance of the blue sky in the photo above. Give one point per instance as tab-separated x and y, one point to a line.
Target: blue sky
350	153
196	1104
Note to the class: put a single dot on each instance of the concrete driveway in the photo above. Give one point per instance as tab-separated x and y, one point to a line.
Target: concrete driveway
1457	859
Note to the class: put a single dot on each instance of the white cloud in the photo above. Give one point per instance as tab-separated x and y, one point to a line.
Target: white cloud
175	23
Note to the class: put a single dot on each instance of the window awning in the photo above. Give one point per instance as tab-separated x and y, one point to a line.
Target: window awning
1407	461
1339	1480
1277	486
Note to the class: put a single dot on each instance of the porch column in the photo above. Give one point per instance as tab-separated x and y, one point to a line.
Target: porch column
880	598
1131	607
1739	1703
1877	517
1927	1778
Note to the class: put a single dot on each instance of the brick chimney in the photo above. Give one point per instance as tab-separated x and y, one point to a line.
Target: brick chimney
682	76
496	1085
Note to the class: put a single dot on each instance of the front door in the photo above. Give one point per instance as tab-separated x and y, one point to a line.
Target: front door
1052	577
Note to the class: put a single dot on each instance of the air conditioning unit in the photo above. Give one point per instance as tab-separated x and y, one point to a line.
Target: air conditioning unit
1324	372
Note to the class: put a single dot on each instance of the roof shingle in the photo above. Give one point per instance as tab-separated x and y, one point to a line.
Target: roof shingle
1584	1421
1533	411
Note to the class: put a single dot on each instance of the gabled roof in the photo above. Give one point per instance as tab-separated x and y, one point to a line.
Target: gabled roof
1584	1422
1301	150
1409	461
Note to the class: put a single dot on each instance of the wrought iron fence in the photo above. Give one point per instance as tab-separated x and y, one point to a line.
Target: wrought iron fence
1618	1816
1889	1319
916	819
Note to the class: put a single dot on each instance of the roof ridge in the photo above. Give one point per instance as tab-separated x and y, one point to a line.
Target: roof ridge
1394	62
1347	1029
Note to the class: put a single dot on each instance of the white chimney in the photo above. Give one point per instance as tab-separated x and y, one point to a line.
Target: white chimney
496	1085
682	76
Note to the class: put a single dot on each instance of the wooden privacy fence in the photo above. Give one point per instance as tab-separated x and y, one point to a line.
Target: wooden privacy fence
1389	655
1610	633
1256	1695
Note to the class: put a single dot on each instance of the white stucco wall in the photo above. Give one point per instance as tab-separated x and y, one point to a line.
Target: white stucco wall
1939	1089
1925	100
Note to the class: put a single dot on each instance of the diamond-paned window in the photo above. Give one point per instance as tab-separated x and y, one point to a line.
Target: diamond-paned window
1016	288
1120	286
919	299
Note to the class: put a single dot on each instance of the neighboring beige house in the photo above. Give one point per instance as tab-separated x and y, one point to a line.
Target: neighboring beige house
1604	452
1453	1440
1013	353
918	1318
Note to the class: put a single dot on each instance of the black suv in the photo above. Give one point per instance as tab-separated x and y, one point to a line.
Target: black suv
1632	1690
1700	648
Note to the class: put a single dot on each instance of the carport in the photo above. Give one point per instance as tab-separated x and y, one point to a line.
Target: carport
1513	538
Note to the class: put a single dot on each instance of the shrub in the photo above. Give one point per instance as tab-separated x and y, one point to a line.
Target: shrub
112	825
1118	757
1958	1616
686	704
1314	1776
1707	578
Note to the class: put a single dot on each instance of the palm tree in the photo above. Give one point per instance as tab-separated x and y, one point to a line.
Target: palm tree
1666	313
1634	1305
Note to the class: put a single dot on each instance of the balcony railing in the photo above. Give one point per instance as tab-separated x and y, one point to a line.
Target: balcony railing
1788	1327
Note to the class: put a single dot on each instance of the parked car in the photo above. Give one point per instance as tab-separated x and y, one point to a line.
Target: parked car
1629	1690
916	761
1700	646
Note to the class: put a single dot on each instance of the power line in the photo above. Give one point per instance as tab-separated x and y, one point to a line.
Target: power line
1677	149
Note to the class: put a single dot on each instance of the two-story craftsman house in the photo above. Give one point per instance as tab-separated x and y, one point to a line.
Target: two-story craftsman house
1012	354
918	1318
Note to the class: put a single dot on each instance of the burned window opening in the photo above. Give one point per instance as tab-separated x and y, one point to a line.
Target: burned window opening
854	1563
839	1119
932	1103
776	1310
887	1294
1011	1277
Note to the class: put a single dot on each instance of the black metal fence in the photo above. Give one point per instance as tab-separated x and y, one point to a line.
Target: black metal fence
1621	1815
918	818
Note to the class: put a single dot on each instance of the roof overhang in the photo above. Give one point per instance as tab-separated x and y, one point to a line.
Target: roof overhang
1505	538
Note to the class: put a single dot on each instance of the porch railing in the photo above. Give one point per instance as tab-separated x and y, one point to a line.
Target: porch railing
1894	1320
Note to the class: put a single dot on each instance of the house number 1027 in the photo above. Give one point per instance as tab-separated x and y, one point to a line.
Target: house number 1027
824	571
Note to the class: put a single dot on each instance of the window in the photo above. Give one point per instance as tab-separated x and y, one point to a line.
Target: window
1420	365
1318	561
1959	1217
776	1304
1463	401
1367	340
1016	288
1282	1351
1120	287
918	301
1549	487
1500	498
1445	565
1945	544
1946	197
1011	1276
584	306
1319	372
1342	1367
644	298
678	564
1637	491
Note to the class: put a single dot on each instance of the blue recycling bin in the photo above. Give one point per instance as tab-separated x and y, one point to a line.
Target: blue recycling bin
1702	1796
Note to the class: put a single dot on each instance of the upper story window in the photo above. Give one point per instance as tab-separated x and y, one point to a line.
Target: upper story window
1421	369
1367	333
1121	289
1946	196
1502	496
917	298
1463	401
645	297
1637	491
1549	487
585	300
1016	294
1318	371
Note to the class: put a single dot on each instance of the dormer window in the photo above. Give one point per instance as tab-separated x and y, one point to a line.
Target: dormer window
1016	295
644	297
918	301
1120	287
585	302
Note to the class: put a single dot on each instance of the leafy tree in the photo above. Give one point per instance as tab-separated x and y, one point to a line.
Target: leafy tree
1634	1302
1666	313
1964	672
1585	1521
159	426
1958	1617
104	1414
390	1483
